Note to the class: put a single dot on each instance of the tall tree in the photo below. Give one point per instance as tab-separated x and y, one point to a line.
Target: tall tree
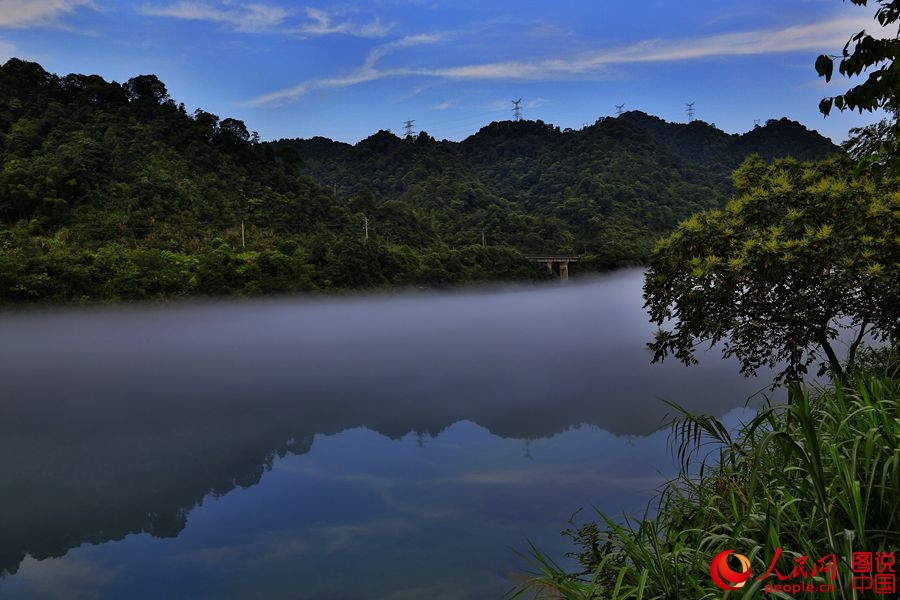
146	88
804	258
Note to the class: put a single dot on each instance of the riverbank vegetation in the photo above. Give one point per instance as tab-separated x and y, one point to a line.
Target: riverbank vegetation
814	477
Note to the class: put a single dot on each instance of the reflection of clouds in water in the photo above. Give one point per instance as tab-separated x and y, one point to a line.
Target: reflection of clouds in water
61	578
215	556
549	476
408	516
371	558
445	515
461	508
285	546
606	471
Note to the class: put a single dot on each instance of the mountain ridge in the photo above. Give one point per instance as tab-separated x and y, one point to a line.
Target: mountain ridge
113	191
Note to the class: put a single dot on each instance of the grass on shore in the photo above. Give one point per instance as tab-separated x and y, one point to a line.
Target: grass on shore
819	475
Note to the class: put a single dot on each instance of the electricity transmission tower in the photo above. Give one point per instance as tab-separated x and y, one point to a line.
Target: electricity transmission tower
619	108
517	109
690	111
408	126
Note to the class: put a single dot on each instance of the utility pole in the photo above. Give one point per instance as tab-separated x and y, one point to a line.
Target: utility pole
690	111
408	125
367	226
483	245
517	109
243	244
619	108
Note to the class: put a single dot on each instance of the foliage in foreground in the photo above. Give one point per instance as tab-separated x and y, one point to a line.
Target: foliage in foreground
804	252
819	475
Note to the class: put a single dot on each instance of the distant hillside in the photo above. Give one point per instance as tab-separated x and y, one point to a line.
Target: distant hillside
112	191
607	190
500	147
702	144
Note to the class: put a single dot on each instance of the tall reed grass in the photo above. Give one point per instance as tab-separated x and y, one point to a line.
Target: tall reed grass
818	475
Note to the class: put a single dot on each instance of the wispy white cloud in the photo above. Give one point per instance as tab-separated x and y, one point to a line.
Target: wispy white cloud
321	22
7	51
548	30
505	105
825	35
498	105
408	41
829	35
244	17
367	72
257	17
32	13
304	87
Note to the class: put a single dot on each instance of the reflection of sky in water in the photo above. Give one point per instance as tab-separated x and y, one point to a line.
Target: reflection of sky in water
363	516
114	424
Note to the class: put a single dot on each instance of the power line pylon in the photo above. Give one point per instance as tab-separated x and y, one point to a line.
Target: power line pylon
690	111
517	109
408	126
619	108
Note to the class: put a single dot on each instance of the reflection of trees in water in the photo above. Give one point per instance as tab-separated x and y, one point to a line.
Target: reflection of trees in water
148	412
75	483
95	469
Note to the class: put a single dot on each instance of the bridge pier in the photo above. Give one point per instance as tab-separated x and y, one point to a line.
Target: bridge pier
562	261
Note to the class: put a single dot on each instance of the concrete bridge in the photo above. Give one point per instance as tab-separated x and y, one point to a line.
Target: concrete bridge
562	261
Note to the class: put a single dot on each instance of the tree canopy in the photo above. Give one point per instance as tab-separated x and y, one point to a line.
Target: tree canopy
804	259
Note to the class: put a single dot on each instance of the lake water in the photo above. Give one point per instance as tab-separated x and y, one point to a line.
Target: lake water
398	447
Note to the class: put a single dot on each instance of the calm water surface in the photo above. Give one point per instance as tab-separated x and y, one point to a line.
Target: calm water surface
400	447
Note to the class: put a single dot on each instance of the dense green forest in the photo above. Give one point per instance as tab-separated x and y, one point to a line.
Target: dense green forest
114	191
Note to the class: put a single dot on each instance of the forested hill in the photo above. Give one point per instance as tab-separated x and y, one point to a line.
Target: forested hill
114	191
702	144
606	191
530	158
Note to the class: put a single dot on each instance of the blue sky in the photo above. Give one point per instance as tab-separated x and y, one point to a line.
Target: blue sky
345	70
